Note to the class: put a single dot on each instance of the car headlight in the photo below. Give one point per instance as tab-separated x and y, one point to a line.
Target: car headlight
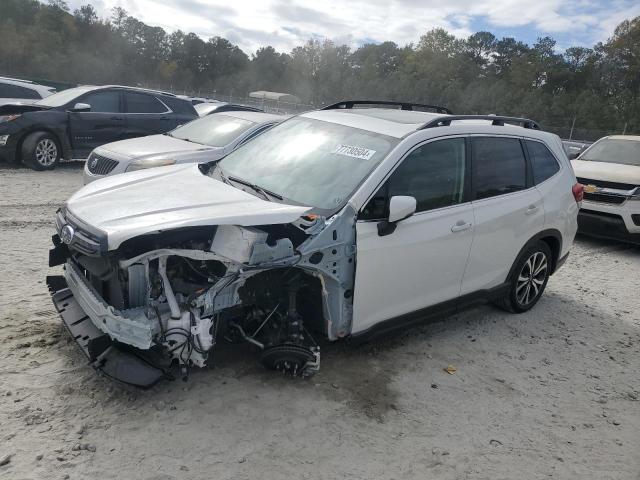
8	118
3	140
149	163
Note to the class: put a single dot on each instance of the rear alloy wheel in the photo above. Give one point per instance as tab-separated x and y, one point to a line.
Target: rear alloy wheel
40	151
532	279
529	279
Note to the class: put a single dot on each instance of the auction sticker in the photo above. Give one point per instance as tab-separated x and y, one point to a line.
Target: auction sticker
355	152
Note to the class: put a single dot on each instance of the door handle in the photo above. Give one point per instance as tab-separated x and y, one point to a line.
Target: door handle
531	210
460	226
117	118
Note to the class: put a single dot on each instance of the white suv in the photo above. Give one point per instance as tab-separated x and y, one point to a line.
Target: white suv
610	172
13	90
336	223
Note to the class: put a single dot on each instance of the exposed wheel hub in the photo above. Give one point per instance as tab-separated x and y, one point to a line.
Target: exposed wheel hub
294	360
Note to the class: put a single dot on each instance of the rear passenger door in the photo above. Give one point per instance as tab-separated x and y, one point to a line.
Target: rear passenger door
508	210
104	123
145	115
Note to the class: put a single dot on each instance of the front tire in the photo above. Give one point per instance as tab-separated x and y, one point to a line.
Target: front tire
528	278
41	151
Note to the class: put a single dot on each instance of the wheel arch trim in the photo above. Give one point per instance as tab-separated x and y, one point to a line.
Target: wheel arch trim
555	246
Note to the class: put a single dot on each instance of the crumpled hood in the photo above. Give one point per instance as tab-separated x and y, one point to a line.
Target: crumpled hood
151	145
164	198
608	172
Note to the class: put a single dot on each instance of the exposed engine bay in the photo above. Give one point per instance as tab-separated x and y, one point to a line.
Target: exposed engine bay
178	293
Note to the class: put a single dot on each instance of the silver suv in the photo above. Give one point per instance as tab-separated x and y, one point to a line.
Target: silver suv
13	90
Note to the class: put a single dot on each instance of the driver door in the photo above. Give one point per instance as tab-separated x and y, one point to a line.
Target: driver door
422	262
104	123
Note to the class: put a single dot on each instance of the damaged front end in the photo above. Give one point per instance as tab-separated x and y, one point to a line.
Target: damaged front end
164	299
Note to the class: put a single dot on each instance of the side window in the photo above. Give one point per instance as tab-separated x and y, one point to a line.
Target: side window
499	166
543	163
8	90
143	103
106	101
434	174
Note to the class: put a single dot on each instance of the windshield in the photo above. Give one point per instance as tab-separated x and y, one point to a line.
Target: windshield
311	162
63	97
625	152
213	130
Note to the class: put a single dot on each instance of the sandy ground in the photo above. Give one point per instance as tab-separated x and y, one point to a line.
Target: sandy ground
551	393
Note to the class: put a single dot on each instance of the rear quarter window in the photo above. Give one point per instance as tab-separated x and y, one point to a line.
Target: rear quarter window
180	106
499	166
543	163
143	103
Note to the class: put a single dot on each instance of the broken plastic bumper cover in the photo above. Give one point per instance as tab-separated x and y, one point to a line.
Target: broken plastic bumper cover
104	355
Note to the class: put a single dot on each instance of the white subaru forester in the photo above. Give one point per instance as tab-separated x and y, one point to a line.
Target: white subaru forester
337	223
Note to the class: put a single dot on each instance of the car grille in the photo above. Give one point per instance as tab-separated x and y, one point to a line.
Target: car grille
603	184
605	198
99	165
83	241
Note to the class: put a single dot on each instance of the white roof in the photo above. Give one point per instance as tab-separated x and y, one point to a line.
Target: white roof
44	89
256	117
625	137
386	121
399	123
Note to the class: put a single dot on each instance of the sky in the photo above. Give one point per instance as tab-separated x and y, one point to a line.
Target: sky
285	24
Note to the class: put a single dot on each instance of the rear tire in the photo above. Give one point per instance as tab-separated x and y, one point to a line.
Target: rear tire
41	151
528	278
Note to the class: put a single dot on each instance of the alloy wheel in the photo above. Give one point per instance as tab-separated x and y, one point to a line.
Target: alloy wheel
46	152
531	278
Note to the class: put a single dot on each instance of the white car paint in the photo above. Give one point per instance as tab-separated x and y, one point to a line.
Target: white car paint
126	206
610	172
503	225
421	264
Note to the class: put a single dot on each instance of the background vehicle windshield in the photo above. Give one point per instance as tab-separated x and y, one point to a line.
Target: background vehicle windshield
309	161
63	97
215	130
626	152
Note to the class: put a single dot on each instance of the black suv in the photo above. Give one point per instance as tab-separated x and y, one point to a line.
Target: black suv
71	123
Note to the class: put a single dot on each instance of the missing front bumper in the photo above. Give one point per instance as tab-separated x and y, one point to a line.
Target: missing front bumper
106	356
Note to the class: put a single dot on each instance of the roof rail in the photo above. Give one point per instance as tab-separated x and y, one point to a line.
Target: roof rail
348	104
140	89
495	120
17	79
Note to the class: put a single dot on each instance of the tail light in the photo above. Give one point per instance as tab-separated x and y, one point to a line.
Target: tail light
578	192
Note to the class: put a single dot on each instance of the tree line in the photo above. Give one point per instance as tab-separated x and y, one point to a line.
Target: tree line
599	87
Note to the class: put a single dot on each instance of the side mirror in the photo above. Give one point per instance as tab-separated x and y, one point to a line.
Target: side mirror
400	207
573	155
81	107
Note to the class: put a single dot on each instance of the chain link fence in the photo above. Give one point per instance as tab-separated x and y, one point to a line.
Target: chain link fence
587	135
571	132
